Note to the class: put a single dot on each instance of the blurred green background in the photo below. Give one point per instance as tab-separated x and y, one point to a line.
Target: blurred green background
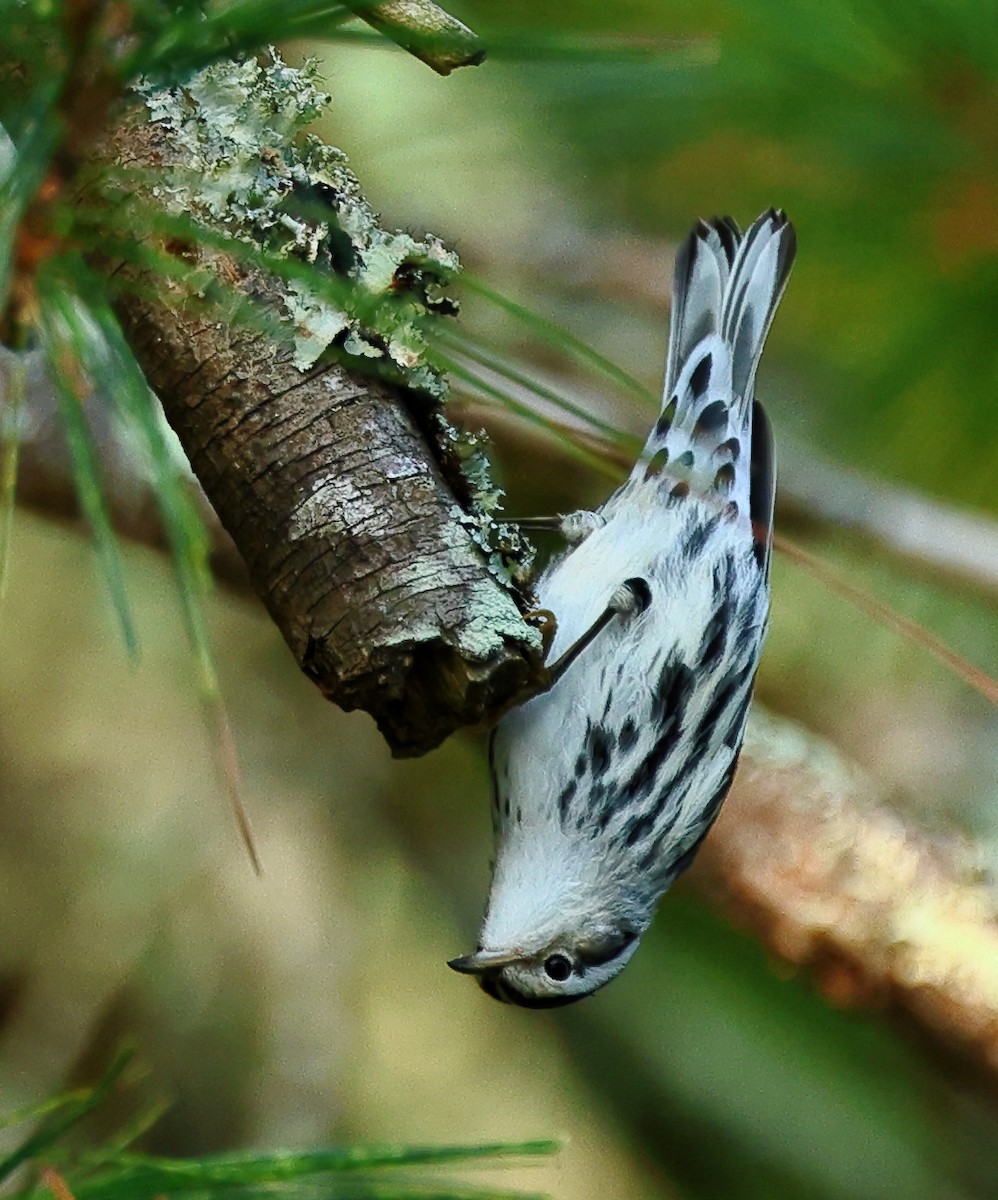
315	1003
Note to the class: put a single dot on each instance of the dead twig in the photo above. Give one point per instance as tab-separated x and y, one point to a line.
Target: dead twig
426	31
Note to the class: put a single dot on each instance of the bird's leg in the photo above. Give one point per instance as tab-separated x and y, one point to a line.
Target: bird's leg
633	596
574	527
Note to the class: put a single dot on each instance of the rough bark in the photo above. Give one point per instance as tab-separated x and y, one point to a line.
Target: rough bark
326	480
345	523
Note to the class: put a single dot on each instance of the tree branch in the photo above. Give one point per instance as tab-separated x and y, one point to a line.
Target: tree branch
425	30
324	476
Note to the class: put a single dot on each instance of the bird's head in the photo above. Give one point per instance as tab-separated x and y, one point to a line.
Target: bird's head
567	969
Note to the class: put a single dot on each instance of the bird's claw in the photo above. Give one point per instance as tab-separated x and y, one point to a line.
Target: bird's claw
546	623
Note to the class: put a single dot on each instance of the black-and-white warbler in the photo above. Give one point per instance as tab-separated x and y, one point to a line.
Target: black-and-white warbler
605	785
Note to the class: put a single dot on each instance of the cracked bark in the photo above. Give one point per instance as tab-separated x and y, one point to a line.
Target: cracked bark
350	534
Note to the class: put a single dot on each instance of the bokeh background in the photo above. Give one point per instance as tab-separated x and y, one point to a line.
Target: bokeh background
313	1004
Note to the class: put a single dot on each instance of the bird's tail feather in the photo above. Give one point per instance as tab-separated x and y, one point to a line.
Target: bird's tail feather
758	278
727	288
729	284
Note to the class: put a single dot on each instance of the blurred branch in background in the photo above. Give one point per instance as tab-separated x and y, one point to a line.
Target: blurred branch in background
814	497
809	857
918	532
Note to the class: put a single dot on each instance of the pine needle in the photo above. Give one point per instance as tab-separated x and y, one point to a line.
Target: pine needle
885	614
227	758
10	444
561	339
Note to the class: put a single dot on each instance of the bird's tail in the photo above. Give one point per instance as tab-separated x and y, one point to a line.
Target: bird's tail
726	291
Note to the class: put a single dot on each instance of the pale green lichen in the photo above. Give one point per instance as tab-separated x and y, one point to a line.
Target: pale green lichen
248	167
251	169
494	621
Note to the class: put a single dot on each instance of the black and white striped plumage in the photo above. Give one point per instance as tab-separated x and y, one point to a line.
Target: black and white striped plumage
606	784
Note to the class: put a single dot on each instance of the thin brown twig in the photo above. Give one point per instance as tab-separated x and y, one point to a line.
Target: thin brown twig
884	614
53	1180
231	775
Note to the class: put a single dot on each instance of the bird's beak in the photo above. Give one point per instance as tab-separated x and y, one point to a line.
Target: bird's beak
482	961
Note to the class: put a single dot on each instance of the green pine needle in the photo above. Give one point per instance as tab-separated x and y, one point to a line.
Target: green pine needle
12	380
475	348
65	348
33	1113
184	43
103	354
110	1173
109	365
504	399
561	339
67	1111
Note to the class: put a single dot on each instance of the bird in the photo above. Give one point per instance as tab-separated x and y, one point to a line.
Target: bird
605	784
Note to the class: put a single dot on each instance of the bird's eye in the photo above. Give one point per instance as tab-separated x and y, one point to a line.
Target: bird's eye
557	967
